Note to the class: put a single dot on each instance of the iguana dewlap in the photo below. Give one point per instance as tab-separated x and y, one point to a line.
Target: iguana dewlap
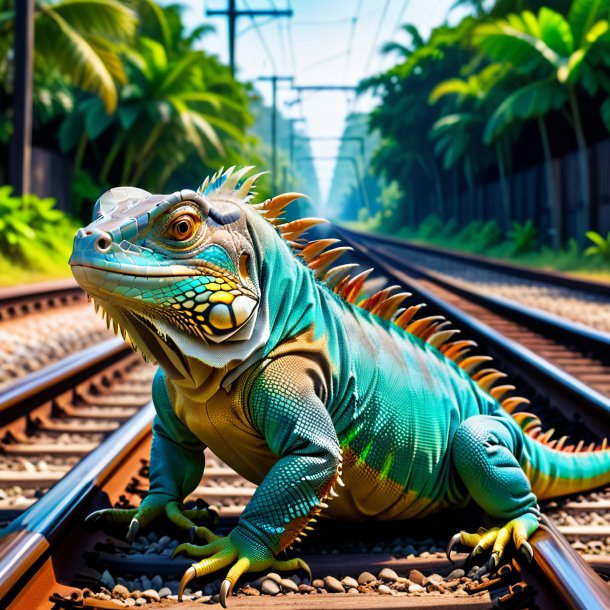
265	358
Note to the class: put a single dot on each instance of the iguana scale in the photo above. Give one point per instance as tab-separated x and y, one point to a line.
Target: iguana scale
272	359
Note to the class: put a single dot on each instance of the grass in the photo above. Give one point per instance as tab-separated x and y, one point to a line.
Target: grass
486	240
40	266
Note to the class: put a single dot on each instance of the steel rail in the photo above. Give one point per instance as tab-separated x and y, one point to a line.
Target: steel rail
567	392
33	536
21	300
551	324
555	278
570	576
45	383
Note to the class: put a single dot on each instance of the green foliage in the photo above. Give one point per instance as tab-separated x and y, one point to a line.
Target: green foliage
523	237
85	191
600	248
30	225
430	227
460	99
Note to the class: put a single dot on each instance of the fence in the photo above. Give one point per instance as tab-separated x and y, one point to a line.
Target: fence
529	198
51	176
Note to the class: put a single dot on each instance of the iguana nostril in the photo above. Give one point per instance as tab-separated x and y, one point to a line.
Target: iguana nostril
102	243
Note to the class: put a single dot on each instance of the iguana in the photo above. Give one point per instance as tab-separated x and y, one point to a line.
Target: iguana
273	359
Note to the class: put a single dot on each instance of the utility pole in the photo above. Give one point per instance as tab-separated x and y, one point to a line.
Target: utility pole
21	145
294	137
365	199
232	13
274	79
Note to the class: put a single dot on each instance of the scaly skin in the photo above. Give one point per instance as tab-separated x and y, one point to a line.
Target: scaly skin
298	390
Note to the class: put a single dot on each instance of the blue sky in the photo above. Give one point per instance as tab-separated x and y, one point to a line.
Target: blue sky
325	42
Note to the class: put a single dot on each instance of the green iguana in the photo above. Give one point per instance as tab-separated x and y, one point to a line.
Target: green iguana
269	357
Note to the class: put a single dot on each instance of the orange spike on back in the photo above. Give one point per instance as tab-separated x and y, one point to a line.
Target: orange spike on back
294	229
510	404
560	443
336	274
404	319
272	208
488	380
546	437
527	421
324	260
456	349
419	327
388	308
314	248
370	303
499	391
441	337
352	289
472	362
342	284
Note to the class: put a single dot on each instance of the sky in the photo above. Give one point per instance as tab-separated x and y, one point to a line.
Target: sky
332	42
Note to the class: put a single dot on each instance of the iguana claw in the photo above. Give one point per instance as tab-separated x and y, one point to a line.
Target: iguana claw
455	539
497	539
186	578
222	552
225	589
132	532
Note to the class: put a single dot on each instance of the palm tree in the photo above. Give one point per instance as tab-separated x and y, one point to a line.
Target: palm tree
547	47
523	101
79	40
168	109
459	132
404	117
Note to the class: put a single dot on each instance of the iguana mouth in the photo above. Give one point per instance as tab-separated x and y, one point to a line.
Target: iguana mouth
133	271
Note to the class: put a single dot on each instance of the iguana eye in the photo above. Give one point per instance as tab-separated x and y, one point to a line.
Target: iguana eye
183	227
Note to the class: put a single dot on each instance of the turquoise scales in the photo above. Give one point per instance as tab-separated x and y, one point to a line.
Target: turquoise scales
271	357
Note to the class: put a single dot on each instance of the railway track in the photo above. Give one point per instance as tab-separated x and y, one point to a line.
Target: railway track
46	557
45	553
41	324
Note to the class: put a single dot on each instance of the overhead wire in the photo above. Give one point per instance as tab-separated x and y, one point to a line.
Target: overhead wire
372	54
262	40
352	31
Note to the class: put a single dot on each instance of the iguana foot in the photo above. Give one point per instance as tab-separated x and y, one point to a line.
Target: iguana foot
497	538
221	552
151	508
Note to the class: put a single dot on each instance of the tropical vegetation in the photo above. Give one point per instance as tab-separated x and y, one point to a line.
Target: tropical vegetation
515	84
125	95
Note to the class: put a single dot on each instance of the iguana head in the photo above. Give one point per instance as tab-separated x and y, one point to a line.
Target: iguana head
177	272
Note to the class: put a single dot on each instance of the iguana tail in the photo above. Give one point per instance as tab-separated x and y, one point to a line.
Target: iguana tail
555	468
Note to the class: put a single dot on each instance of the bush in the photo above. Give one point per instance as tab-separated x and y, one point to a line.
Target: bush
430	227
600	248
523	237
32	231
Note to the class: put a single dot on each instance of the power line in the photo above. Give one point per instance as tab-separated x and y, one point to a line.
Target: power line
293	61
372	54
350	40
323	22
262	40
280	29
232	14
324	61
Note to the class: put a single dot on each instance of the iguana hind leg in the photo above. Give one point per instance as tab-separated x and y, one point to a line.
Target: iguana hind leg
485	453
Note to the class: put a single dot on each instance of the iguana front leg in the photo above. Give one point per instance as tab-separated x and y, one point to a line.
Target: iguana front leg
485	453
286	409
176	467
